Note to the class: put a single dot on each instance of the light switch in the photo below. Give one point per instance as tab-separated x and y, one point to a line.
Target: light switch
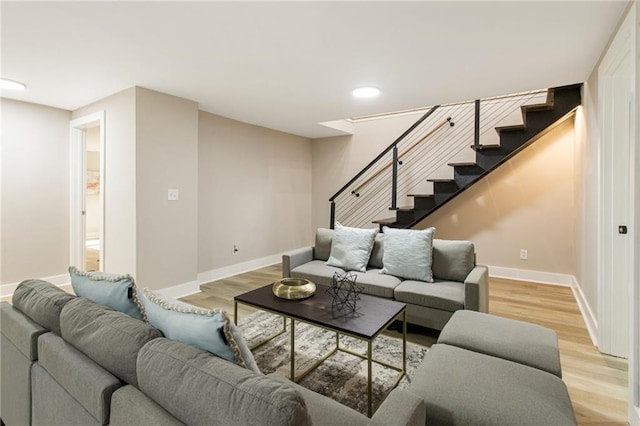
173	194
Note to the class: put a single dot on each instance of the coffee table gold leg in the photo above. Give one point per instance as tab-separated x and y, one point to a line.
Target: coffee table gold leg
235	313
369	375
293	352
404	341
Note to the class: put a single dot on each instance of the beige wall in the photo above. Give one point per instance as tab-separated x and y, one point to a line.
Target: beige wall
34	191
167	157
337	159
120	179
254	191
527	203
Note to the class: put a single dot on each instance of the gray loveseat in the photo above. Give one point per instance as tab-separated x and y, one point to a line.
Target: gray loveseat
69	361
458	282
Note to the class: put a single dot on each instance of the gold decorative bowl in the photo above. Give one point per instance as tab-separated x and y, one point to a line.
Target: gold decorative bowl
294	288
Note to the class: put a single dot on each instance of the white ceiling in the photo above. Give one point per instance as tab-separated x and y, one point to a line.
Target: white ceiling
290	65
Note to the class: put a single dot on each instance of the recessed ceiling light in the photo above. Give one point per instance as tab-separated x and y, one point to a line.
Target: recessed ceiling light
11	85
366	92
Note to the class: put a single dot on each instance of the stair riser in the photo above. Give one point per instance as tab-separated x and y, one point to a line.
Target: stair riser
488	159
465	175
445	187
423	203
408	216
464	180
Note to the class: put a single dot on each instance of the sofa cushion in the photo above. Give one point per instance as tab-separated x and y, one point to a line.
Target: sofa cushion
452	260
317	271
20	330
517	341
377	284
408	253
210	330
86	381
444	295
351	248
198	388
115	291
375	261
462	387
129	407
322	248
42	302
110	338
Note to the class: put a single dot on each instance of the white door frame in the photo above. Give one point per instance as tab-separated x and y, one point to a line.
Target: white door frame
78	184
634	346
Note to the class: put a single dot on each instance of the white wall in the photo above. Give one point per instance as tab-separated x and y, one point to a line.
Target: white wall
254	191
587	183
120	179
167	157
34	191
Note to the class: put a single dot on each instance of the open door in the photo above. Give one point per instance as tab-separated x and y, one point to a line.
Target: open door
87	239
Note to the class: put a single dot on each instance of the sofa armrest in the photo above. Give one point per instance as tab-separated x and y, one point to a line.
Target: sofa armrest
295	258
476	289
400	408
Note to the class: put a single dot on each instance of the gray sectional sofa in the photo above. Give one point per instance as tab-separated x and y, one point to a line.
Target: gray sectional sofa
458	282
69	361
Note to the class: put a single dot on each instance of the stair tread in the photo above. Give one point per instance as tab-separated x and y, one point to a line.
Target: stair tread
441	180
462	164
538	107
512	127
388	221
485	147
420	195
402	209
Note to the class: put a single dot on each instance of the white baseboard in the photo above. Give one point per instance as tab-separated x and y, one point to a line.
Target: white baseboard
6	290
553	278
186	289
238	268
587	314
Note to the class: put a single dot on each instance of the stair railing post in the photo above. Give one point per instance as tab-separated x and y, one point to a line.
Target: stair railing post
394	178
476	134
332	221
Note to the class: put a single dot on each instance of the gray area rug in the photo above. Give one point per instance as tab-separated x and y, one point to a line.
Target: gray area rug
342	377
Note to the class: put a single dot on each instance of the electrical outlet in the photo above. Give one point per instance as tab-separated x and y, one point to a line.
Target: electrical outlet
524	254
235	249
173	194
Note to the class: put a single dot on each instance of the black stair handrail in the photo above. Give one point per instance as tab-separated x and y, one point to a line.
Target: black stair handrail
389	148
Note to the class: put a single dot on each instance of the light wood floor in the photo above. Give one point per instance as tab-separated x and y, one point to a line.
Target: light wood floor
597	383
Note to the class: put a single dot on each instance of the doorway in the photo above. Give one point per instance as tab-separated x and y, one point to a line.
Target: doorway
87	192
616	83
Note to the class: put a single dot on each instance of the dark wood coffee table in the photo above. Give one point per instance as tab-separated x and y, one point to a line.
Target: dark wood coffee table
372	316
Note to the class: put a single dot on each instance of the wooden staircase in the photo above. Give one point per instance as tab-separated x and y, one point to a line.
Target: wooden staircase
538	120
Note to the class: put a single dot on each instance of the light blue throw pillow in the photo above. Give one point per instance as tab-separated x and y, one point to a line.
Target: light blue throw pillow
351	248
115	291
408	253
209	330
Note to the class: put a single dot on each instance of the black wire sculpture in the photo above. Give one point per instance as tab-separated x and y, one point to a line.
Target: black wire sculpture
345	291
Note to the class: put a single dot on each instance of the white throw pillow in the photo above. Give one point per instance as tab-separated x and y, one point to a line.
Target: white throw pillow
351	248
408	253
